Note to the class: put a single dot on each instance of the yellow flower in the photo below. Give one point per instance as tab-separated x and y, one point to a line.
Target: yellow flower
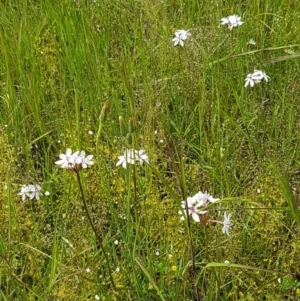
174	268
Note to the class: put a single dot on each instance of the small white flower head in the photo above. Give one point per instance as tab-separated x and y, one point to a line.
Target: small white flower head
193	209
180	36
97	297
249	81
256	77
203	199
74	162
67	160
117	269
142	157
127	158
132	156
196	205
84	160
47	193
226	261
157	253
32	191
23	192
226	223
232	21
88	270
116	242
91	133
251	42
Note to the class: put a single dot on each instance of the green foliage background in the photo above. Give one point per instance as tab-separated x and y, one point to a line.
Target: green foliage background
60	61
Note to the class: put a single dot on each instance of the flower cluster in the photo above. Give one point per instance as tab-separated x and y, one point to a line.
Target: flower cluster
232	21
74	162
197	208
32	191
180	36
256	77
132	156
196	205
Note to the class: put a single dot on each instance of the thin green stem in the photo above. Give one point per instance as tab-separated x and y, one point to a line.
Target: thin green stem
192	251
98	137
99	239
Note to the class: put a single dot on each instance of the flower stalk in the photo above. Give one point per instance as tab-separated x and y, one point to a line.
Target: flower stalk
75	162
98	237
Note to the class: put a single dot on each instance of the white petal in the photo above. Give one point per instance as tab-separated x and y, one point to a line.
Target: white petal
196	217
121	160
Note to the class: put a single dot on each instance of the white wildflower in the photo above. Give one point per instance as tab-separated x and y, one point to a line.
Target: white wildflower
232	21
180	36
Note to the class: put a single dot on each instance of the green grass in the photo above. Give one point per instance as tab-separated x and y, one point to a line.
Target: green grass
61	61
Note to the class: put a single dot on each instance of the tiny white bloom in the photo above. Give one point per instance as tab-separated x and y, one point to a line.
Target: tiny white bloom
88	270
279	280
132	156
47	193
74	162
249	80
226	223
34	191
258	75
23	192
117	269
142	157
31	191
180	36
67	160
226	261
116	242
97	297
84	160
196	205
157	253
193	209
232	21
251	42
128	157
91	133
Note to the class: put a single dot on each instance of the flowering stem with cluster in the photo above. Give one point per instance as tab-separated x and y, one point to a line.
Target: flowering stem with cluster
76	162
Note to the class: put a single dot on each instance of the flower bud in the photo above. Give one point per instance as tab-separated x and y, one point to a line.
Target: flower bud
131	125
103	113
